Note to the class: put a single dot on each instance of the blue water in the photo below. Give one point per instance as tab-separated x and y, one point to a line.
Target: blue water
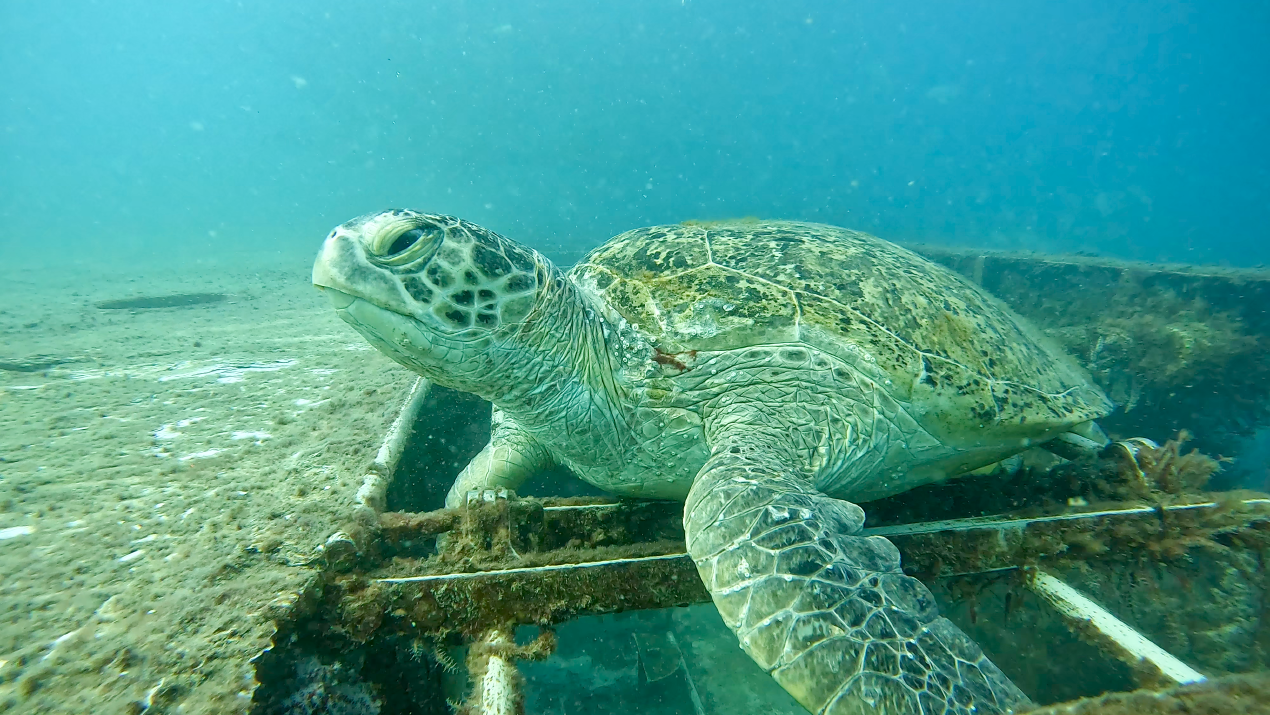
1136	129
161	131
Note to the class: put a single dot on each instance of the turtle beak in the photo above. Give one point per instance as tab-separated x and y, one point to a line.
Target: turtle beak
324	275
339	299
341	255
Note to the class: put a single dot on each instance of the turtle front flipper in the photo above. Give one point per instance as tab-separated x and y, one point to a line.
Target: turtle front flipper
826	611
511	457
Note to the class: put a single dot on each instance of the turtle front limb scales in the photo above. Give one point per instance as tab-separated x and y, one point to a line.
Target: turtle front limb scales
511	457
826	611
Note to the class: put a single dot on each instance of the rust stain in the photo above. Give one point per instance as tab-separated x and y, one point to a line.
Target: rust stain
673	359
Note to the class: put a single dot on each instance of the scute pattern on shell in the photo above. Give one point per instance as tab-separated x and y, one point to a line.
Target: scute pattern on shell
939	339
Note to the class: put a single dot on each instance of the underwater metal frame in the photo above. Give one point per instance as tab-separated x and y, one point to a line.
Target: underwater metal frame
474	574
438	579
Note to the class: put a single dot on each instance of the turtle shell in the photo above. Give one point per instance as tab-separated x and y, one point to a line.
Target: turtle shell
932	338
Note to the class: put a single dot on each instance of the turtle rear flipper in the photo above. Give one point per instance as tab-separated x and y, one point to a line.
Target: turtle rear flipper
826	611
1083	441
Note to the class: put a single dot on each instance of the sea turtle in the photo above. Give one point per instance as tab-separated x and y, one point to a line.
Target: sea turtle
770	374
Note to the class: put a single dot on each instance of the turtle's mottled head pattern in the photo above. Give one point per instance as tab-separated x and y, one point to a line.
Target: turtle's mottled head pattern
433	292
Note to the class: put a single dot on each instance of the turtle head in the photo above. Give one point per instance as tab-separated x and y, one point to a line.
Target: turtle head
435	293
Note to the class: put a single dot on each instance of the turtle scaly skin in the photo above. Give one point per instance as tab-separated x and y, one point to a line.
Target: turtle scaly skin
769	374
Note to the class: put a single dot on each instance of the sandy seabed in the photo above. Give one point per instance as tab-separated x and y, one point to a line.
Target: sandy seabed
166	474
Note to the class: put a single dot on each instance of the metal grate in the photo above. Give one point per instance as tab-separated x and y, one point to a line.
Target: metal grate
478	572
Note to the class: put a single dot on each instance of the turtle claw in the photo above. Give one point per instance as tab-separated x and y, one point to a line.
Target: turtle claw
488	496
494	522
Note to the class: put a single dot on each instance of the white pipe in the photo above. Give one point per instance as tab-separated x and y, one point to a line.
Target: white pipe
498	694
374	490
528	569
395	440
572	507
1076	605
996	522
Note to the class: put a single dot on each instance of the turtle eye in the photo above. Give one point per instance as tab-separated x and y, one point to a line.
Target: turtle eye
412	244
405	241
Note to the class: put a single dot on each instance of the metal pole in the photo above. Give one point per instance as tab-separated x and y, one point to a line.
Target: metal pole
498	692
